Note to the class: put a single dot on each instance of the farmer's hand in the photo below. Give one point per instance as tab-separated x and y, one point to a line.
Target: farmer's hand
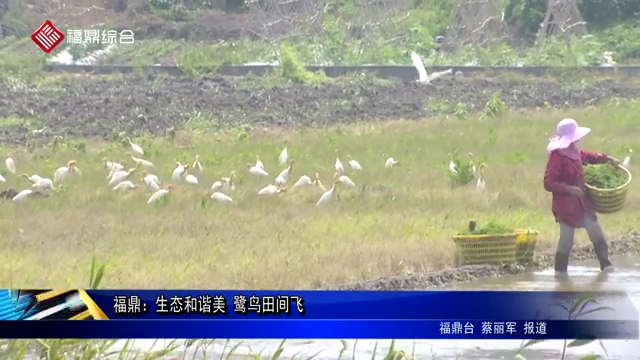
613	161
574	191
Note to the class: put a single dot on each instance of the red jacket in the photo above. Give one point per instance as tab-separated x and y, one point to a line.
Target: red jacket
562	172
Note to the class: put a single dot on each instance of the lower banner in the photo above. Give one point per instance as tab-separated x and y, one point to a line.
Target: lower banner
320	329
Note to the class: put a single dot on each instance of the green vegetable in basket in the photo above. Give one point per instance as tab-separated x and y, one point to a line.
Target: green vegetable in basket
491	228
604	176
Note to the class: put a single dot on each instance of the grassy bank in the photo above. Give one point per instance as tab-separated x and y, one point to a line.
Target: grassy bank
394	221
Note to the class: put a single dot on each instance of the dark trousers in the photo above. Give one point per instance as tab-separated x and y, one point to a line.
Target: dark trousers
565	243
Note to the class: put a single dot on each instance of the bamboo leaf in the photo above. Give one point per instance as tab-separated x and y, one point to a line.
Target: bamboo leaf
375	350
532	342
98	279
92	274
279	350
606	352
591	357
580	302
601	308
580	342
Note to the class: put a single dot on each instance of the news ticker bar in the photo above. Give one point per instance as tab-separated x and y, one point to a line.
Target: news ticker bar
454	306
270	328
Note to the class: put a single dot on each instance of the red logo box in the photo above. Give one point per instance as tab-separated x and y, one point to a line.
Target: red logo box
47	37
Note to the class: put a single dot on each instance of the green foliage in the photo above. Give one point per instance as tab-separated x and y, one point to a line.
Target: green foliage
96	274
604	176
623	40
576	309
292	69
491	228
525	16
494	107
464	173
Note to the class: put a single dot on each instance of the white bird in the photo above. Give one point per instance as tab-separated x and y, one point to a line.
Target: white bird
284	154
626	162
473	166
190	179
259	163
423	77
303	181
318	183
159	194
179	171
151	181
328	196
344	180
353	164
43	185
254	170
217	186
271	190
197	164
452	165
11	165
120	176
125	185
220	197
2	179
142	162
338	165
107	164
115	167
32	179
228	184
135	148
224	185
61	173
390	163
481	185
22	195
284	174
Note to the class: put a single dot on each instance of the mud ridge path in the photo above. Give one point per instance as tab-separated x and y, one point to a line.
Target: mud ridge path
622	246
95	106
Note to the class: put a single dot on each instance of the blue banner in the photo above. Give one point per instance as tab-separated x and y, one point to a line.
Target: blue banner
316	314
319	329
392	305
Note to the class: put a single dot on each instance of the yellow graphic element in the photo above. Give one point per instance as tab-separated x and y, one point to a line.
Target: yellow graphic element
50	295
94	309
82	316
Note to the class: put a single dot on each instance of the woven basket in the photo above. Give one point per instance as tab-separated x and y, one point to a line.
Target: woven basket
609	201
492	249
526	245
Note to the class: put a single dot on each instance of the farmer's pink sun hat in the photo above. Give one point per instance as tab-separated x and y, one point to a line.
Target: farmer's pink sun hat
567	132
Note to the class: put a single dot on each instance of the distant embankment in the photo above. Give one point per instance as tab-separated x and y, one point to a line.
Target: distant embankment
406	73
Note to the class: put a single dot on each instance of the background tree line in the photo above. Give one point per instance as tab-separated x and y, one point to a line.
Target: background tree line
523	16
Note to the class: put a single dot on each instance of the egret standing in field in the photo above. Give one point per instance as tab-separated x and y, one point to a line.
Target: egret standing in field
135	148
284	154
328	196
11	165
481	185
627	161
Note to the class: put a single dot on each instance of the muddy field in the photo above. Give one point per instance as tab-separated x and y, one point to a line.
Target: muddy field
86	106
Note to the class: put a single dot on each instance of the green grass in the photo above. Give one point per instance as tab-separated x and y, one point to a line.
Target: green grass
394	221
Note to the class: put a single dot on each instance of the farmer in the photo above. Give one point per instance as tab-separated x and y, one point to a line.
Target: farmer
564	178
